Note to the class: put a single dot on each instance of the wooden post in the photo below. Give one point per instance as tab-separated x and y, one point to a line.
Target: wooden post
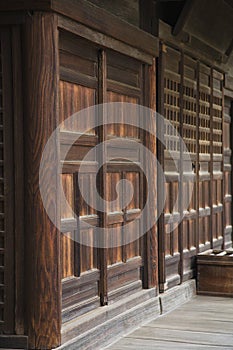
150	239
160	156
198	158
43	280
181	177
102	134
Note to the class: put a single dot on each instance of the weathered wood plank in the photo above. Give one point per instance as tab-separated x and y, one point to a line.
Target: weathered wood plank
43	239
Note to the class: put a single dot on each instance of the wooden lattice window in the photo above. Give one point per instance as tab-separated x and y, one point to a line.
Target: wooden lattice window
204	110
190	105
217	112
172	99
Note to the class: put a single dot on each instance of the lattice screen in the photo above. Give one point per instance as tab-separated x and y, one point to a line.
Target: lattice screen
172	98
217	117
204	110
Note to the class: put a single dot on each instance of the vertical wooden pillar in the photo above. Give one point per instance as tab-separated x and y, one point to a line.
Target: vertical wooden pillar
102	134
43	283
198	158
181	169
150	239
160	156
211	159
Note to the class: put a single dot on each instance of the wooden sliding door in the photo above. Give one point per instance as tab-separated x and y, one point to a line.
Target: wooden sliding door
94	275
193	219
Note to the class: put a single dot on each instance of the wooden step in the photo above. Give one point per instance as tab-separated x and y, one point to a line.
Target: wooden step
111	322
101	315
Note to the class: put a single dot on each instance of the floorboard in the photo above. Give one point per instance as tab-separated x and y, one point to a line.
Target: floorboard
202	323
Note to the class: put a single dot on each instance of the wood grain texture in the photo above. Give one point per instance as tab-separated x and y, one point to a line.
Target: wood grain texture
43	275
100	20
179	328
7	188
19	179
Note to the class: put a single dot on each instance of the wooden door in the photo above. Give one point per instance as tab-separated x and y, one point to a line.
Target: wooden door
124	84
94	276
78	90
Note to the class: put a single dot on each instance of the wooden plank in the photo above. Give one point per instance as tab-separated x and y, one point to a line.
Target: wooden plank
42	253
211	159
19	179
102	21
15	5
8	225
13	18
181	170
183	17
102	39
198	158
160	156
101	184
150	238
14	342
149	19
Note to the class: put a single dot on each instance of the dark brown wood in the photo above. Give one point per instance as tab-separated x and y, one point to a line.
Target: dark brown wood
7	161
19	180
102	21
14	342
150	238
77	247
149	20
214	276
181	169
15	5
184	16
211	159
102	39
101	185
14	18
127	10
42	249
198	158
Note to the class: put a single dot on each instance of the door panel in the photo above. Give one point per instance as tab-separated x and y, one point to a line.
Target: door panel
97	276
78	90
124	84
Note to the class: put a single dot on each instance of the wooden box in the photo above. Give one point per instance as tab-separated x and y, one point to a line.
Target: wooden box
215	273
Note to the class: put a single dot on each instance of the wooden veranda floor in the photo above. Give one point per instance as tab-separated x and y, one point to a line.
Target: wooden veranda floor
202	323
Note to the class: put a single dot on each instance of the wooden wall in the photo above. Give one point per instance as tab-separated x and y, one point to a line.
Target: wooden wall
127	10
192	101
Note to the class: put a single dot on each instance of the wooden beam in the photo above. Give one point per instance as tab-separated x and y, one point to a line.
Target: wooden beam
148	14
7	161
102	21
160	156
181	170
42	246
211	158
16	5
101	184
19	178
102	39
198	156
150	255
184	16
